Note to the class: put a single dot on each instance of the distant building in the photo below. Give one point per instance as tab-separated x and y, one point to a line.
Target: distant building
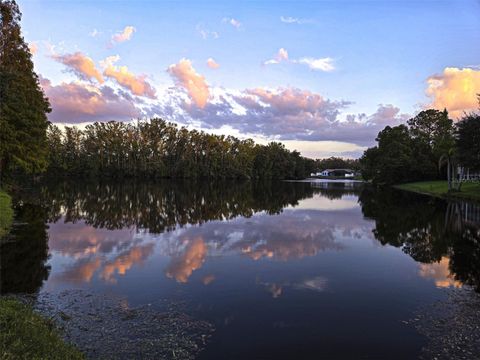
336	173
468	175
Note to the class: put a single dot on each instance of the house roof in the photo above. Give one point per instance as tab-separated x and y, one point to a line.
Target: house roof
330	170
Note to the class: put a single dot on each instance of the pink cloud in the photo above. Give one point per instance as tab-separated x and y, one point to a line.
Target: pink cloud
33	47
124	35
195	84
212	64
75	102
285	114
454	89
123	262
81	65
137	84
182	266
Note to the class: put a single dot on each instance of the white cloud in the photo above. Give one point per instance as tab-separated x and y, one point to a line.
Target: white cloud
234	22
282	55
205	33
94	33
293	20
321	64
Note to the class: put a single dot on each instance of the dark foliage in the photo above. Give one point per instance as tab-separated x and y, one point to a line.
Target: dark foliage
427	229
410	153
468	141
337	163
158	149
24	252
23	106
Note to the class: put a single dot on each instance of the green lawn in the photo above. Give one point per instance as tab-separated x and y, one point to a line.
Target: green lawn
469	190
6	213
26	335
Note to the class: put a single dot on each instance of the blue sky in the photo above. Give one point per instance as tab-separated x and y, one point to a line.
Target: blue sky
377	62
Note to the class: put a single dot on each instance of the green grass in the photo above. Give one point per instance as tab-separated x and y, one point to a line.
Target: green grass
6	213
469	190
25	334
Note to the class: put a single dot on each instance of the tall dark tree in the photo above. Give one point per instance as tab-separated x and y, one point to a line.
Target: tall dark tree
434	128
435	134
393	161
468	141
412	153
23	105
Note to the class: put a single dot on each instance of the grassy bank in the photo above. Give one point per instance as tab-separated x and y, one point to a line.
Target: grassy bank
26	335
469	191
6	213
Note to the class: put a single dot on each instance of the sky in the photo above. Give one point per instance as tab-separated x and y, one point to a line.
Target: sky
322	76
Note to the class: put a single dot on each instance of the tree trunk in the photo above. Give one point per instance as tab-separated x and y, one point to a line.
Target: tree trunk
449	177
460	176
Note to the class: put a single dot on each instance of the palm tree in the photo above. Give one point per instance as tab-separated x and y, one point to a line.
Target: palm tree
448	158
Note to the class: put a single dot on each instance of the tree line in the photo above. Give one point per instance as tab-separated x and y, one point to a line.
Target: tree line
430	146
334	162
156	148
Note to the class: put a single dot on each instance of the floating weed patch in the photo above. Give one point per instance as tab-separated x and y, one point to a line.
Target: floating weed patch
24	334
105	327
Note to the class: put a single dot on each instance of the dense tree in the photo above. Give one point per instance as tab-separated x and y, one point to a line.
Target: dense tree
23	106
398	158
413	152
434	129
336	163
156	148
435	133
468	141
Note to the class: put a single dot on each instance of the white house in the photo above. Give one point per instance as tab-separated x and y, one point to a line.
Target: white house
467	175
336	172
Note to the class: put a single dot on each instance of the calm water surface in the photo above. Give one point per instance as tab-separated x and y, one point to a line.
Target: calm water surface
284	271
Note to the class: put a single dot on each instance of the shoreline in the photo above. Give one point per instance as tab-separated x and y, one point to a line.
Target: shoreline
438	189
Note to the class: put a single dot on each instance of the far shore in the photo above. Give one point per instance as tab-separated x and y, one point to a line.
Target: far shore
439	188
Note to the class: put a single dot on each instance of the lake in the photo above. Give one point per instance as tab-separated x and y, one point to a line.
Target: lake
287	270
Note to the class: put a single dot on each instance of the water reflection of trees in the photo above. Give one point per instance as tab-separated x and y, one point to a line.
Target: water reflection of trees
155	207
427	229
24	252
163	206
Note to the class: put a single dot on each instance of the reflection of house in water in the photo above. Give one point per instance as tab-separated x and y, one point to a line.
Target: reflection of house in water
464	213
471	213
336	185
